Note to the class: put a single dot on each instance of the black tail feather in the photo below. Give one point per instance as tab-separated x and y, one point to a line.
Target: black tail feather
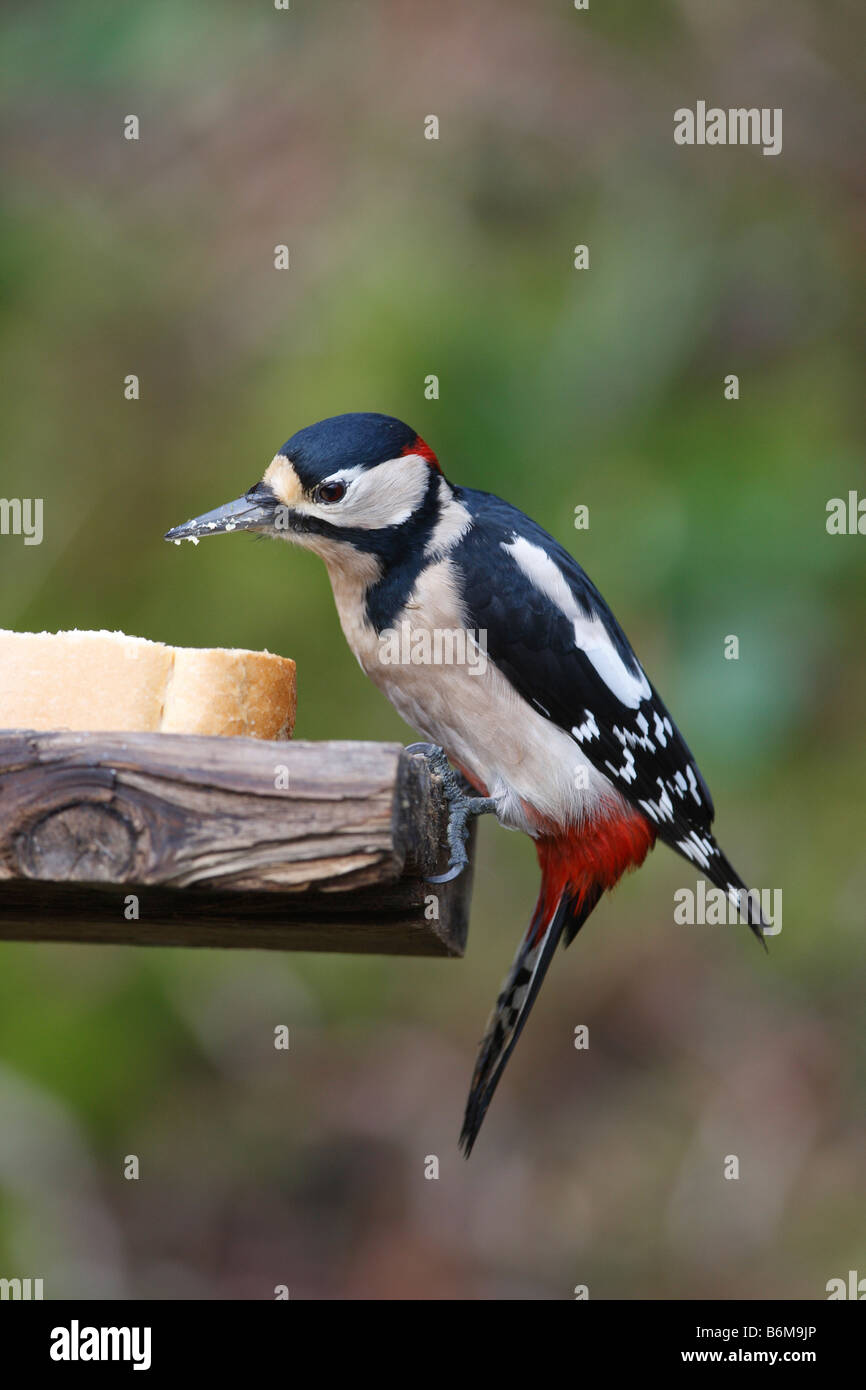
515	1001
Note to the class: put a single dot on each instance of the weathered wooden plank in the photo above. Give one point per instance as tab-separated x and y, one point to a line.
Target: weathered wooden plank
308	846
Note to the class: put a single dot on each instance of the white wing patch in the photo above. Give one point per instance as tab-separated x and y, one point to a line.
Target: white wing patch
693	783
590	634
698	848
629	739
663	808
627	771
588	730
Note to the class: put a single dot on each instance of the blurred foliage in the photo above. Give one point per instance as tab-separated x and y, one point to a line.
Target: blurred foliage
558	387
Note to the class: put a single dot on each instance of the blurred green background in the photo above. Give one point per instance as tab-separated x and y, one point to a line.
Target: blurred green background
558	387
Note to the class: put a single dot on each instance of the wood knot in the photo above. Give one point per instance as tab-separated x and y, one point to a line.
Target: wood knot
83	843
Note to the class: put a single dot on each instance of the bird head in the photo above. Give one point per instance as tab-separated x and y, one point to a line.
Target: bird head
352	483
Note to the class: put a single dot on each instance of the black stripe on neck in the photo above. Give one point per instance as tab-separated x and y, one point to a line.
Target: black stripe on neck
401	552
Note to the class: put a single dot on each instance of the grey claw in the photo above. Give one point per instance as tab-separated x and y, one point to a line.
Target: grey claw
460	808
454	872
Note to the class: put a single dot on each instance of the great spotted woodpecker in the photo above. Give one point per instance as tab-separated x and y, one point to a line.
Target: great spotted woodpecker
558	730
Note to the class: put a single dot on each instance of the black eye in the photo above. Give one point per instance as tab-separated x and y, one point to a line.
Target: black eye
330	492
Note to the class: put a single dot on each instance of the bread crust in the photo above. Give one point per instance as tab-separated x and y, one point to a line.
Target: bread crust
108	681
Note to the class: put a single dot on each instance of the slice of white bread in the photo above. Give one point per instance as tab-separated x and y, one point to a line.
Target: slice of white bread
109	682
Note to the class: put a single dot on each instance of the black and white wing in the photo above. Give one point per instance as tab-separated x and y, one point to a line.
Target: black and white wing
551	634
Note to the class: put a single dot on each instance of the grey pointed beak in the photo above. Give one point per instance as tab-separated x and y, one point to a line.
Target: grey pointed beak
253	512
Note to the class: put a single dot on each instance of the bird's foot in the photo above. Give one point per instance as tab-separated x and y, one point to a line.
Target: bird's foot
460	808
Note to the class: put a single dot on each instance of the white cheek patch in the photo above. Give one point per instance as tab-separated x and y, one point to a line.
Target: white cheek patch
386	495
345	475
590	634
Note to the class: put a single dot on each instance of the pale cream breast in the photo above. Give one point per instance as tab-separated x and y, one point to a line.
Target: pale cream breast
467	706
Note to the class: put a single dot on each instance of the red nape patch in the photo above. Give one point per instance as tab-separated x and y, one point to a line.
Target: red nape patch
419	447
594	857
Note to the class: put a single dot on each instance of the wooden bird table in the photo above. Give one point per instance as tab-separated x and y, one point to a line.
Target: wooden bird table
178	840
